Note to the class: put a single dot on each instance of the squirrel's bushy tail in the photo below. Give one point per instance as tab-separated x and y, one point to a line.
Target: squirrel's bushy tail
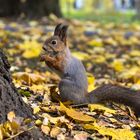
116	94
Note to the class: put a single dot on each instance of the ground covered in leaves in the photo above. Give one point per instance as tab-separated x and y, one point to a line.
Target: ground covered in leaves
110	53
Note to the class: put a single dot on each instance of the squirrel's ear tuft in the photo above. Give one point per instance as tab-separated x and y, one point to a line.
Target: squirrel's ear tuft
61	31
57	29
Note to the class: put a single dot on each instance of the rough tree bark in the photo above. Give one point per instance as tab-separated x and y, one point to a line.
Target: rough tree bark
10	99
31	8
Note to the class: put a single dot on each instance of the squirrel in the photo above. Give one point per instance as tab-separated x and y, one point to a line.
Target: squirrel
73	85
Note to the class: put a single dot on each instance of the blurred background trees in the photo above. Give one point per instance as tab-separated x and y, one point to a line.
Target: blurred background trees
112	10
138	8
29	8
40	8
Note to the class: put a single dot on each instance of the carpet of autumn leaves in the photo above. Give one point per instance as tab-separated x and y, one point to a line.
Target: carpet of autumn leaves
110	53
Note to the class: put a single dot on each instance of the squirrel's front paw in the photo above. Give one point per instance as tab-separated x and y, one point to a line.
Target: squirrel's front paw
46	58
42	58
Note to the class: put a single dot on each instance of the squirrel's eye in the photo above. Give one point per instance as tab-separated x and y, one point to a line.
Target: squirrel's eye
54	42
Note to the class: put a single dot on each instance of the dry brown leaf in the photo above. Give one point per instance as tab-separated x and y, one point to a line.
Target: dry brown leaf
45	129
29	78
55	131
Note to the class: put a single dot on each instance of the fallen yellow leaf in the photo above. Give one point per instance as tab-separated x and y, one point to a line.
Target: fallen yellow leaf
29	78
116	134
31	49
96	43
10	116
93	107
36	109
91	82
55	131
80	55
118	65
45	129
79	116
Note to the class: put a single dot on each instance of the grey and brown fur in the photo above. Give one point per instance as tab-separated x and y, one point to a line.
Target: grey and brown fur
73	84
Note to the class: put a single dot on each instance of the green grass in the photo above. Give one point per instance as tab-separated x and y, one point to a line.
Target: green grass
102	17
88	13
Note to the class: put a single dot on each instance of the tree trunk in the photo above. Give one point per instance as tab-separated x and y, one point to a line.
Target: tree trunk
30	8
8	8
53	8
10	99
137	5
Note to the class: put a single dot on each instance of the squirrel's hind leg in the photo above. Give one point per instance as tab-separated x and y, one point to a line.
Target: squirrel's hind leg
69	91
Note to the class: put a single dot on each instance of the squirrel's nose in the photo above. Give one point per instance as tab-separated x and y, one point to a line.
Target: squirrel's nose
44	47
